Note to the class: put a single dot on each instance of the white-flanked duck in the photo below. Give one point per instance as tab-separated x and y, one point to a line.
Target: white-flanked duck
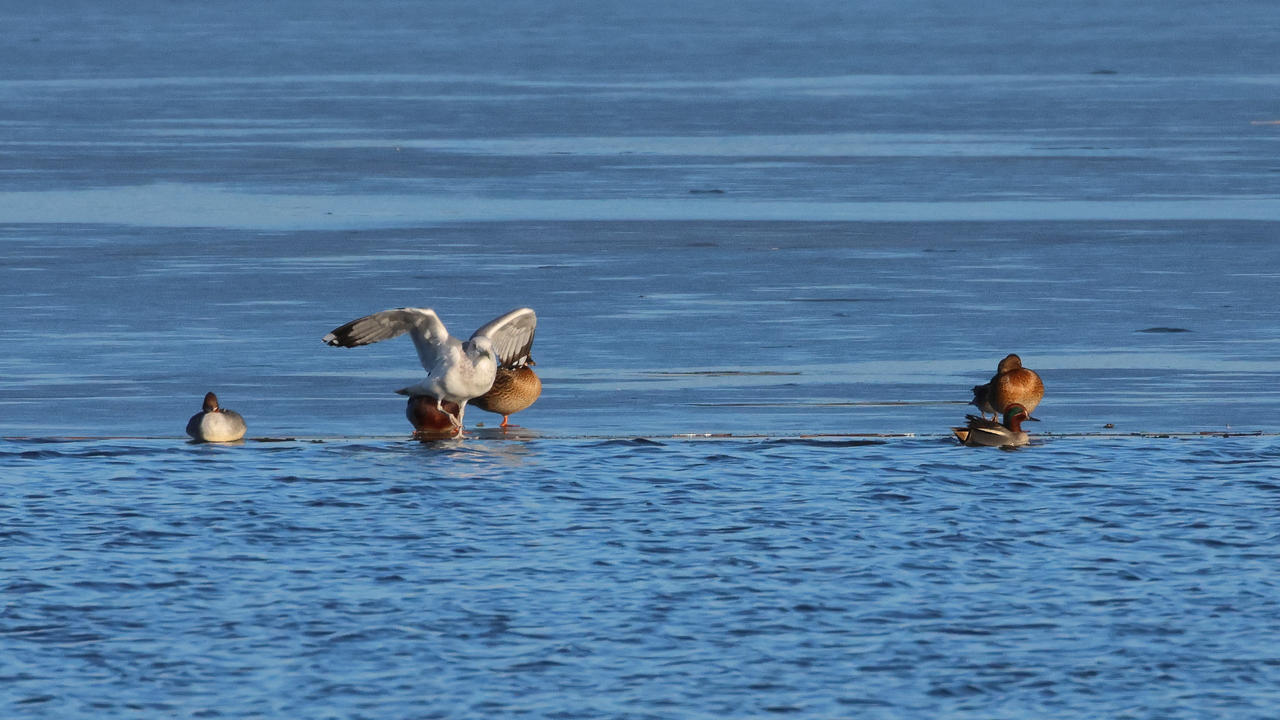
214	423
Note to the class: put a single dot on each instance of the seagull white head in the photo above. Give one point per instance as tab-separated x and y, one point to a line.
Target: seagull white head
483	345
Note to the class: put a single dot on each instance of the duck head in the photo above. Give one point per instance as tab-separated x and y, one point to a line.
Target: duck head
1010	362
210	402
1015	415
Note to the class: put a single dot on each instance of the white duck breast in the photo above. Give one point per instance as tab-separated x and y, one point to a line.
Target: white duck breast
224	426
216	424
457	371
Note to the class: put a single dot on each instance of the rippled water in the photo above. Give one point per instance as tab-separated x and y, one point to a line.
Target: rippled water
771	249
1121	577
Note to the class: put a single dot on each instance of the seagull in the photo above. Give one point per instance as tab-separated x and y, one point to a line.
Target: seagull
457	371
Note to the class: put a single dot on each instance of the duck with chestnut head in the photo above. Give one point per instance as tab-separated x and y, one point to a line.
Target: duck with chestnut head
983	432
428	421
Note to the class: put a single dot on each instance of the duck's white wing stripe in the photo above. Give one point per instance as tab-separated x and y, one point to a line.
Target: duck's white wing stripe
512	336
428	332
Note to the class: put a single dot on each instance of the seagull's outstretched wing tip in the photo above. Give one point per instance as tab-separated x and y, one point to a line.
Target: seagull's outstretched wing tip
512	336
385	325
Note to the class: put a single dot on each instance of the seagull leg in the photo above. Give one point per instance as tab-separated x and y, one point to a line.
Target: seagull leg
454	420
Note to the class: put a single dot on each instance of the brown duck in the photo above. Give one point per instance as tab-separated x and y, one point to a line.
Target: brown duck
514	389
429	420
1011	384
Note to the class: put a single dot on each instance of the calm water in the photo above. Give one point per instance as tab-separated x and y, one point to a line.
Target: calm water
756	237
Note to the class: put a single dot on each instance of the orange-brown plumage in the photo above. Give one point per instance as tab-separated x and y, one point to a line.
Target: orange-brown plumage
427	420
514	389
1014	385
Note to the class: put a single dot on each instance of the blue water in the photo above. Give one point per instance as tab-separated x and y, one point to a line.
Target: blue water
771	248
1126	577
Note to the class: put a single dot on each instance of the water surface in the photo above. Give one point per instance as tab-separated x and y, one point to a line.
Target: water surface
771	249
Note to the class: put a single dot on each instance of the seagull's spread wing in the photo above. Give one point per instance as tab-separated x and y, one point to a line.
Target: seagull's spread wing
512	336
428	333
